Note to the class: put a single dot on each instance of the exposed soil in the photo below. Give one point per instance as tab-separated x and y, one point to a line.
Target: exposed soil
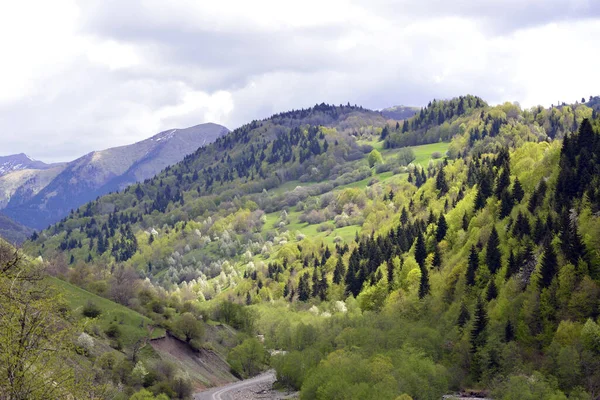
205	367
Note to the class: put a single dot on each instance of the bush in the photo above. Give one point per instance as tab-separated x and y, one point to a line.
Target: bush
406	156
248	358
436	154
113	331
91	310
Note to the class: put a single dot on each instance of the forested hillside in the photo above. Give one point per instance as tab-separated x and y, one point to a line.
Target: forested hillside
455	249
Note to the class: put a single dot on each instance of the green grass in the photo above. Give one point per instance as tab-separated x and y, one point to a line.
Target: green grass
132	324
423	153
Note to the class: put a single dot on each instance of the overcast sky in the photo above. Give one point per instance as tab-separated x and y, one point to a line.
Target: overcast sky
78	76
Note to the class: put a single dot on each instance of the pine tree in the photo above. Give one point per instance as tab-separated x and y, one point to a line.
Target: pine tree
472	266
353	283
492	291
323	285
304	287
463	316
390	275
440	182
437	258
315	283
420	251
403	216
518	191
506	204
502	182
339	272
465	222
493	257
513	266
549	266
479	332
442	228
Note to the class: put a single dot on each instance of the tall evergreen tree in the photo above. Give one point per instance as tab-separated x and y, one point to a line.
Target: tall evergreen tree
304	287
502	182
390	275
420	251
442	228
479	332
518	191
492	290
512	267
440	182
493	257
472	266
549	266
506	204
339	272
463	316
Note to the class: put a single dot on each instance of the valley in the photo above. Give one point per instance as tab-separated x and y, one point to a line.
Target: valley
354	255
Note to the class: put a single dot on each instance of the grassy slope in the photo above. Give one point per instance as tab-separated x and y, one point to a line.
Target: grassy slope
132	324
423	156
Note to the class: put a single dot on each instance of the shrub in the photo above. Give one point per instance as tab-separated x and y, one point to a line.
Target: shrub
436	154
113	331
406	156
91	310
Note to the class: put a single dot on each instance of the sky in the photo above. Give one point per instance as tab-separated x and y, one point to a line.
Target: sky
78	76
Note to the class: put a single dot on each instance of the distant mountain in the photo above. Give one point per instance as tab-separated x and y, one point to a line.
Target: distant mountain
37	198
12	231
21	185
19	162
399	112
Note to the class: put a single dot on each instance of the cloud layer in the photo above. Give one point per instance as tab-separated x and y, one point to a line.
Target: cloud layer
82	76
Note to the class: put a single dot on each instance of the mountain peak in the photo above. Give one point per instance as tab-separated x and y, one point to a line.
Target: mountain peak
16	162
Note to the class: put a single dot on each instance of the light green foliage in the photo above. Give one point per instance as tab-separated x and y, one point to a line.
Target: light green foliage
248	359
146	395
374	158
406	156
534	387
190	328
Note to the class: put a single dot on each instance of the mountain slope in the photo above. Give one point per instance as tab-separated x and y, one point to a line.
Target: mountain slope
16	162
100	172
475	266
12	231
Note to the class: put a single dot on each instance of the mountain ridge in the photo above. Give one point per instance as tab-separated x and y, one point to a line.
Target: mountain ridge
97	173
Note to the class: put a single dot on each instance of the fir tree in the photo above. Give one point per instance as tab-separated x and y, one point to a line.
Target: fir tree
442	228
463	316
493	257
437	258
518	191
390	275
502	182
304	287
479	332
440	182
465	222
506	204
513	266
339	272
420	251
472	266
549	266
492	291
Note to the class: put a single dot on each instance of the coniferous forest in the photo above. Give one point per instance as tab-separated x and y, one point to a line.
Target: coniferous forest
455	250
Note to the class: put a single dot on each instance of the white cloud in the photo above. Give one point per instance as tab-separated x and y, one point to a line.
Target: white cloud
81	76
